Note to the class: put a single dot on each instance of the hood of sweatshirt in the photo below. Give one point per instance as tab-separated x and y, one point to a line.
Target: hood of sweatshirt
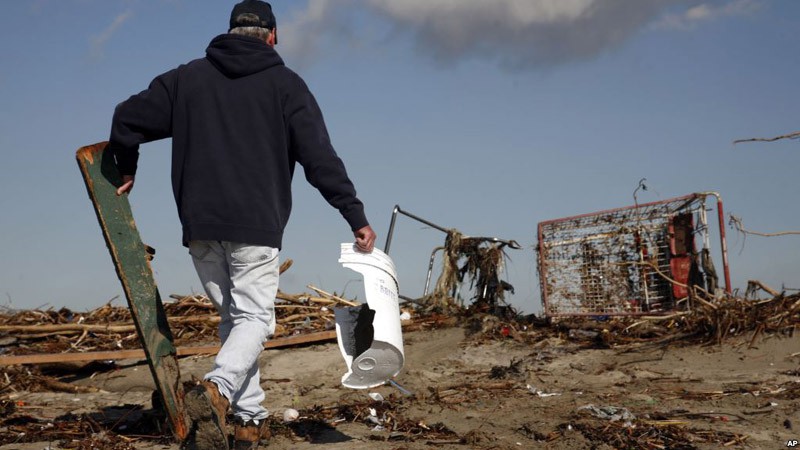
238	56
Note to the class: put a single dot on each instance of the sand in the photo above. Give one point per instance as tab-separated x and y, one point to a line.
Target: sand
486	394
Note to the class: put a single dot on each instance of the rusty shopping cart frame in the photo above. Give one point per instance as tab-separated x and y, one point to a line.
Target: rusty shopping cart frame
633	260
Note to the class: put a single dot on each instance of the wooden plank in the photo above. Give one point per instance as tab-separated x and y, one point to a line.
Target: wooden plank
281	342
139	353
133	269
301	339
118	327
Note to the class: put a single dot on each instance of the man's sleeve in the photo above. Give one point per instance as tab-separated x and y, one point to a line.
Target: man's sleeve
144	117
311	147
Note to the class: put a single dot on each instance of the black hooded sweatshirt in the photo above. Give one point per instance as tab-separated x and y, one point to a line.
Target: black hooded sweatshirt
239	120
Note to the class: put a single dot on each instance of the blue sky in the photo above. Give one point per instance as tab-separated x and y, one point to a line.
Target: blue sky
487	116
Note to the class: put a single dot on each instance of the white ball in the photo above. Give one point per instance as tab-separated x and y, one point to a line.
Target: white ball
290	415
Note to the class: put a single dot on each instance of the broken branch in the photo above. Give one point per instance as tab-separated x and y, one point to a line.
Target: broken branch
331	296
736	222
794	135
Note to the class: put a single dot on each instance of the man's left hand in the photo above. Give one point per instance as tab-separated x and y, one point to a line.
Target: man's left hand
127	184
365	239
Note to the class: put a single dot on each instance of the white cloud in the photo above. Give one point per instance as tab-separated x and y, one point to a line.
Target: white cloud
699	12
706	12
511	12
301	34
98	42
515	34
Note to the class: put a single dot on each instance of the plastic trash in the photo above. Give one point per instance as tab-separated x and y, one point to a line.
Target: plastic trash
373	416
290	415
403	390
612	413
534	390
370	335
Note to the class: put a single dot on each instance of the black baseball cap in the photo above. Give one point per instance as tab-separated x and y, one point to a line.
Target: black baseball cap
262	10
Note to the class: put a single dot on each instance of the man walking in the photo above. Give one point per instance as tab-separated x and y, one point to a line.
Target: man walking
239	120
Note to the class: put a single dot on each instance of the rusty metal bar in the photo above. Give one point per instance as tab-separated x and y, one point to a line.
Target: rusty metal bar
723	241
688	198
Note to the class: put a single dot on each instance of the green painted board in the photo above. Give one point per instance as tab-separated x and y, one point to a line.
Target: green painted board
133	268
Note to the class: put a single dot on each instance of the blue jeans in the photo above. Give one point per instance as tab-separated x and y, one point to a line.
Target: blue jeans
242	281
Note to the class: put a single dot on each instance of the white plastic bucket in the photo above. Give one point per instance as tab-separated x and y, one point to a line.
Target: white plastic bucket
372	351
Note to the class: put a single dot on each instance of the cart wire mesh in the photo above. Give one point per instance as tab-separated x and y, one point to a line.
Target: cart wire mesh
614	262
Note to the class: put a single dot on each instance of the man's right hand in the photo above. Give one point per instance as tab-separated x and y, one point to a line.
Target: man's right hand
365	239
127	184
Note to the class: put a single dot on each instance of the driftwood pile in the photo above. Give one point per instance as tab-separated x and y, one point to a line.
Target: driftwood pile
709	321
193	322
192	318
107	333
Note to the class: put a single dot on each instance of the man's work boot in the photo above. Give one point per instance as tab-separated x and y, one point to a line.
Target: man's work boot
206	409
247	435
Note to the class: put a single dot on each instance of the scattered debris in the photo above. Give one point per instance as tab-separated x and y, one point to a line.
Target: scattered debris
512	370
479	260
670	436
386	419
711	321
539	393
113	428
483	261
612	413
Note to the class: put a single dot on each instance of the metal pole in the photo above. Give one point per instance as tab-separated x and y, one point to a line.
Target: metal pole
420	219
394	218
391	229
722	240
724	245
542	249
430	270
